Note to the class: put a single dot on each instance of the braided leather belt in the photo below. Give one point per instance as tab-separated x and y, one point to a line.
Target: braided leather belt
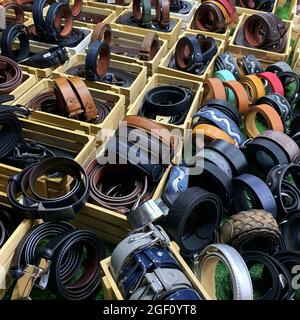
238	271
57	263
10	75
251	230
263	31
34	205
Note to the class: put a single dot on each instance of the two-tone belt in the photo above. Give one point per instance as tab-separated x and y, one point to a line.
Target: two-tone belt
34	205
273	82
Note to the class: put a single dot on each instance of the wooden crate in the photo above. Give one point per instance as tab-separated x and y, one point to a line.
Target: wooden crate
29	80
171	37
132	40
130	93
111	6
109	14
164	69
8	249
240	51
112	292
115	101
159	79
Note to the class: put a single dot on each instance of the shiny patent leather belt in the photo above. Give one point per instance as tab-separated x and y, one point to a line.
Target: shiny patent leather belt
35	206
57	263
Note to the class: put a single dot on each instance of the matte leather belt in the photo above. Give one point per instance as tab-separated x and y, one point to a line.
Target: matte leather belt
270	116
226	61
290	233
284	183
49	58
97	60
251	192
102	32
142	12
167	101
37	15
261	5
57	263
250	64
8	224
213	90
217	159
9	36
238	271
275	281
255	88
241	96
149	47
263	154
225	75
289	259
273	81
251	230
49	209
279	67
162	12
193	53
263	31
18	10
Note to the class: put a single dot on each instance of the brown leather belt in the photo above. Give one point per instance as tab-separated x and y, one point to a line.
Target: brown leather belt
254	87
149	46
76	8
241	96
213	89
10	75
102	31
263	31
162	12
17	8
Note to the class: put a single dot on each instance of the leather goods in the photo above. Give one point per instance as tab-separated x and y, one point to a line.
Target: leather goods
97	60
213	89
261	5
222	121
226	61
214	180
279	67
290	233
285	142
193	53
273	81
250	64
238	272
283	182
250	192
224	106
8	38
193	219
167	101
149	47
102	32
275	283
37	15
254	87
263	154
76	8
162	12
288	258
18	11
217	159
271	119
233	155
225	75
241	96
279	103
58	261
291	86
48	58
36	206
142	12
67	99
8	224
251	230
55	15
211	133
263	31
10	75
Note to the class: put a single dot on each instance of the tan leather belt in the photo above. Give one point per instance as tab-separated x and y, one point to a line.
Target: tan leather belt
254	87
213	89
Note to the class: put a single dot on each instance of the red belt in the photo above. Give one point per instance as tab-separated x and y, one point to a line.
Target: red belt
273	81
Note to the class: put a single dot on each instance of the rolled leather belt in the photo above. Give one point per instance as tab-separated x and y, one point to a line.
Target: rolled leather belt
102	32
8	223
97	60
162	12
280	66
284	184
270	116
261	5
276	279
250	64
273	82
142	16
8	38
11	75
225	75
49	209
255	88
238	271
291	86
241	96
290	233
37	15
251	192
288	258
263	31
149	47
213	89
226	61
251	230
17	8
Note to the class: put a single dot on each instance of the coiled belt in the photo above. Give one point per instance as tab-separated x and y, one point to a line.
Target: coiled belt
18	10
261	5
58	262
8	223
49	209
10	74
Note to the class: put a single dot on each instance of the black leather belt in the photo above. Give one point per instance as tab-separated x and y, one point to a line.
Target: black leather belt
37	14
9	36
167	101
49	209
48	58
226	61
64	254
275	283
251	65
290	233
288	258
